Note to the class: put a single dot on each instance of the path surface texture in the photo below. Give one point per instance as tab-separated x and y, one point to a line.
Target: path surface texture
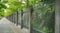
8	27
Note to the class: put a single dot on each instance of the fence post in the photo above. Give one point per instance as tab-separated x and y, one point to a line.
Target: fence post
17	17
21	19
31	19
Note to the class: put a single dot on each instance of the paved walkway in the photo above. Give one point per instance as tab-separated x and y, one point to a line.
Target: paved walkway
5	28
8	27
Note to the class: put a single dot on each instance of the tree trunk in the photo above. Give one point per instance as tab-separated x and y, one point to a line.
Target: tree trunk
31	19
57	16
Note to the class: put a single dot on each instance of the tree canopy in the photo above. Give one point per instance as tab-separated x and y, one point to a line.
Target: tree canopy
8	7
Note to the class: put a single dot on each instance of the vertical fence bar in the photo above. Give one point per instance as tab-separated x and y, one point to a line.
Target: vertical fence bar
14	18
21	19
57	16
31	20
17	18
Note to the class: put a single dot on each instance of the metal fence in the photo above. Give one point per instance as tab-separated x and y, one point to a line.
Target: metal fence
39	26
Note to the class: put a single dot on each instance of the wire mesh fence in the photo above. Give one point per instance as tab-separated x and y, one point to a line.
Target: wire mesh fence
43	18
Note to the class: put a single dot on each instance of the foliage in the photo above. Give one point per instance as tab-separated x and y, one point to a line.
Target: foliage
2	7
46	7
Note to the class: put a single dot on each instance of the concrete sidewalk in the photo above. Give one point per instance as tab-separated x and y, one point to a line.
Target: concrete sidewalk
8	27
